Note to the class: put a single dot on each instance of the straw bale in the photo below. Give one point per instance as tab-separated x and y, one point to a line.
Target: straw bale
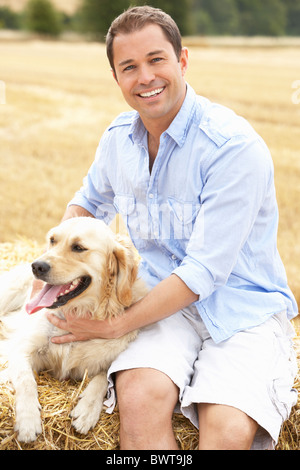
22	251
58	398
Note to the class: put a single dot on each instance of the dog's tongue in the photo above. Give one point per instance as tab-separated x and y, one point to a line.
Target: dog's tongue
43	299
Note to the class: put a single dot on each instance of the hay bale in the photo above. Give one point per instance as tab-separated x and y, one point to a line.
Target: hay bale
58	398
22	251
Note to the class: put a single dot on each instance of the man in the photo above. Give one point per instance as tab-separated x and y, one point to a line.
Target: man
194	184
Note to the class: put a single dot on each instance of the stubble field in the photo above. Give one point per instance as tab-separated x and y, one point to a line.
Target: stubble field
59	97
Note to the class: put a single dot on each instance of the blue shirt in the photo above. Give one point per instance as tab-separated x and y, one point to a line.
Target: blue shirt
207	211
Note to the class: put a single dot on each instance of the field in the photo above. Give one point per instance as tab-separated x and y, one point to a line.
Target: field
68	6
60	96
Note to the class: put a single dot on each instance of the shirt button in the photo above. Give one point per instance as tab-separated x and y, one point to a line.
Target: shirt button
174	257
151	196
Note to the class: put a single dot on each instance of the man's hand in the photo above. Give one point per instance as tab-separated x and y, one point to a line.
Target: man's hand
85	328
169	296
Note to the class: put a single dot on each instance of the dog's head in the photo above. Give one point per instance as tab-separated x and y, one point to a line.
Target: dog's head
86	267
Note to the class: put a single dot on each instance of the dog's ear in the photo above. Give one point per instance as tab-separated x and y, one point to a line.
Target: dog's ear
127	269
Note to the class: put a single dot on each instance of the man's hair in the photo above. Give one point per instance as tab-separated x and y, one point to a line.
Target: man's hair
136	18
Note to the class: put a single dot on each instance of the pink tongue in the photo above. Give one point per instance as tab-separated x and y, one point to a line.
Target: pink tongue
45	298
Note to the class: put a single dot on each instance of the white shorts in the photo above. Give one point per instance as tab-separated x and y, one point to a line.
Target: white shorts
253	371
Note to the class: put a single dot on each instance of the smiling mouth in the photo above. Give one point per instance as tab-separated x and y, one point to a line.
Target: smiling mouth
151	94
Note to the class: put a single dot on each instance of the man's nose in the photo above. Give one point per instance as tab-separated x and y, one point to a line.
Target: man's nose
146	75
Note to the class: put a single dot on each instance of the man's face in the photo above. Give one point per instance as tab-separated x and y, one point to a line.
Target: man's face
149	74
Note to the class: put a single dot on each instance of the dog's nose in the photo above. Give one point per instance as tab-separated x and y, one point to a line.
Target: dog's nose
40	268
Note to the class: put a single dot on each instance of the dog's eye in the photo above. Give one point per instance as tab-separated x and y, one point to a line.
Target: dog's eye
52	240
78	248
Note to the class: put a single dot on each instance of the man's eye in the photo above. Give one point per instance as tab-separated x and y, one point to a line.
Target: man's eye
78	248
128	68
156	59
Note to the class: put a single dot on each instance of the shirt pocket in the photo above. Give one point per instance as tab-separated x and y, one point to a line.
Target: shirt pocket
127	207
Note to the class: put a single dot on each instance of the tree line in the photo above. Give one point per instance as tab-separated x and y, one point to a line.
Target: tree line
194	17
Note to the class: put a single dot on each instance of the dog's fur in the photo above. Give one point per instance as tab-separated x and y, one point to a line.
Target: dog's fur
83	248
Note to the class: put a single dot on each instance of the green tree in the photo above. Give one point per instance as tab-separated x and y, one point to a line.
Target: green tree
262	17
203	23
216	17
41	17
95	16
293	17
9	19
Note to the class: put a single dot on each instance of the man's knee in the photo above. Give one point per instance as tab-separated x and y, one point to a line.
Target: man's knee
146	399
138	389
225	428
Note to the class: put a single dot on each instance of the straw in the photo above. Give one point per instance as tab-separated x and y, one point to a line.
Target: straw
58	398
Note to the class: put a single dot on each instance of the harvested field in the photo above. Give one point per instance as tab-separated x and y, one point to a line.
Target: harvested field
59	98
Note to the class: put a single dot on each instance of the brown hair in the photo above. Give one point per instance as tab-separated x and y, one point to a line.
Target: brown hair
134	19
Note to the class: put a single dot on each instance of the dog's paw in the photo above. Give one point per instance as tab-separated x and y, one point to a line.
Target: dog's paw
86	414
28	425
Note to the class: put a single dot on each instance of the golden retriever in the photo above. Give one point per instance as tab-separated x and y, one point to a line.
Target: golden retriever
87	268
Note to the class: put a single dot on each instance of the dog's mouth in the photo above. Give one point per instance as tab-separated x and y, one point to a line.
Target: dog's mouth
54	296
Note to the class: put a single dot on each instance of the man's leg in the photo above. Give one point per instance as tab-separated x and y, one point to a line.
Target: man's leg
146	398
223	427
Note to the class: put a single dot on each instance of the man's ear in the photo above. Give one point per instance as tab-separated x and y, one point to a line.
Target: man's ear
184	60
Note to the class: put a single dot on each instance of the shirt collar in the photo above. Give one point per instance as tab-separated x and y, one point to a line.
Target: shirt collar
180	125
178	128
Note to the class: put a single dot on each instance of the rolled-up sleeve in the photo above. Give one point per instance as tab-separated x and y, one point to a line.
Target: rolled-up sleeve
236	179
